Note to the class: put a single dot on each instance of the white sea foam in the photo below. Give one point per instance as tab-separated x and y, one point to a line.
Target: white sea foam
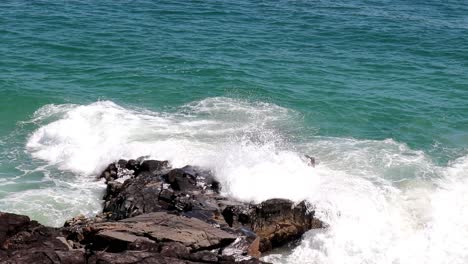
420	221
54	204
88	137
384	202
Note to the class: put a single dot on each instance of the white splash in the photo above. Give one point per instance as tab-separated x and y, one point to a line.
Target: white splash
384	202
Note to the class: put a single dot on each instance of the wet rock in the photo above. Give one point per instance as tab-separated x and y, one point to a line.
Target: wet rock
11	224
237	215
155	214
123	168
18	232
243	248
113	189
192	192
152	166
136	196
77	220
121	163
180	180
204	178
110	173
279	221
132	165
179	190
276	221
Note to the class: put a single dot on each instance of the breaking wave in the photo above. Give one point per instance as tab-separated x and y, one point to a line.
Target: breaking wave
383	201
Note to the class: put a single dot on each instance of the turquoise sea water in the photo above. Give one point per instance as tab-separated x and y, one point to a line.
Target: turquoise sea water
376	90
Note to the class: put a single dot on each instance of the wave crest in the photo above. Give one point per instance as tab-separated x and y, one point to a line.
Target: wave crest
384	202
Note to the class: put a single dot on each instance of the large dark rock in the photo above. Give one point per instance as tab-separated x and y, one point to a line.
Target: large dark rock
155	214
276	221
26	241
193	192
180	180
149	238
10	224
134	197
279	221
152	166
156	189
19	232
132	167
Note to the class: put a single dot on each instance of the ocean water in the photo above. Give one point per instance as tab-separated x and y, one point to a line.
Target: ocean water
377	91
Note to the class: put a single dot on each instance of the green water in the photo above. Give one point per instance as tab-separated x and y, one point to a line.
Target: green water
365	85
366	69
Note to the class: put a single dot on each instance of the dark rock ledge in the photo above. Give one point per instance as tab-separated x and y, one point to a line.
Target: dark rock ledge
155	214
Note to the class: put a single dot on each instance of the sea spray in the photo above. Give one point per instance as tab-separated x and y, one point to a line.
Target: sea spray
383	201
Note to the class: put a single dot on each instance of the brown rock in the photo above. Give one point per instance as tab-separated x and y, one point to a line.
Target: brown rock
276	221
254	248
45	256
160	226
158	215
175	250
132	257
10	224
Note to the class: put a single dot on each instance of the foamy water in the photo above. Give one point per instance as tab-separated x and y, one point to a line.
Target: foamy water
383	202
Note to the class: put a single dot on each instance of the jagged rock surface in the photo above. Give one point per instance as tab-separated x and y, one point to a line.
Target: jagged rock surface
275	221
160	226
155	214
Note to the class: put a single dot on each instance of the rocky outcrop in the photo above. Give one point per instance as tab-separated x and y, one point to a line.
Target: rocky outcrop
156	214
154	188
149	238
193	233
275	221
26	241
